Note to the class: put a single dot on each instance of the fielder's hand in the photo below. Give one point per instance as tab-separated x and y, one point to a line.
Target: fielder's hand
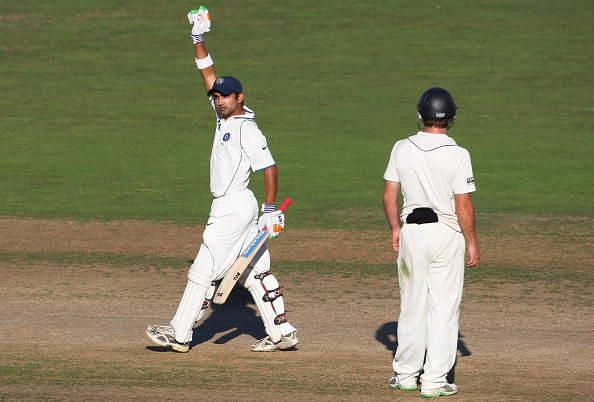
272	220
474	255
396	239
200	21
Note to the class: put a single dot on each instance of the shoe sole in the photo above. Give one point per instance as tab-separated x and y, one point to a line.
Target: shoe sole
264	350
179	348
440	394
403	388
289	344
175	347
276	348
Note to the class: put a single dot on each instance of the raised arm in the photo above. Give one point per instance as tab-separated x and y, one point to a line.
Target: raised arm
208	73
200	20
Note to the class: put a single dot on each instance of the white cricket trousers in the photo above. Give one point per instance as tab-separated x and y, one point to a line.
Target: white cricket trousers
231	221
431	277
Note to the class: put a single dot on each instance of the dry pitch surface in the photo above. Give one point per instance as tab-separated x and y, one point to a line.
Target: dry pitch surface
77	297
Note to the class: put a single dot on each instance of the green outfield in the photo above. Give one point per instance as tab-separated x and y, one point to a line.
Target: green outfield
106	135
103	114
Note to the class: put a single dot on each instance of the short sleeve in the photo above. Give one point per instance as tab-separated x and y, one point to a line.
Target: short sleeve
255	146
391	173
464	178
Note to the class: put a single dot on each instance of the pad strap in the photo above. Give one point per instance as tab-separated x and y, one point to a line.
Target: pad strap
209	295
262	275
271	295
280	319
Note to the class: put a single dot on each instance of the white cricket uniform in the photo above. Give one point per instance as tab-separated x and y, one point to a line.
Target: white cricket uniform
238	148
430	168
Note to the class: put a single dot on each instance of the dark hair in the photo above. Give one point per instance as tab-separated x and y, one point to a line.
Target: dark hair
439	123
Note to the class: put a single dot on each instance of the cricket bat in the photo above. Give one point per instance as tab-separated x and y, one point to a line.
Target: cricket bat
241	263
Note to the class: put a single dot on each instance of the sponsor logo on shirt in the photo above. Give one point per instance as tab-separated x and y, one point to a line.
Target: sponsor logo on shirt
470	180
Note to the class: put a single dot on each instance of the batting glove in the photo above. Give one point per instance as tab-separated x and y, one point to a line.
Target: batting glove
200	21
272	220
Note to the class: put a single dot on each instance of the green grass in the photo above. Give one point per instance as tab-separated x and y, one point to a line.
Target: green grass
553	275
211	372
487	273
67	373
91	259
103	115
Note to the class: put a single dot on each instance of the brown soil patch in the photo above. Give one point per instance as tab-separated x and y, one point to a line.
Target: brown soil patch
522	248
75	331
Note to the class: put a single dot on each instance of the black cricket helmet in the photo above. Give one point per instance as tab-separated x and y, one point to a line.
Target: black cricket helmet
436	103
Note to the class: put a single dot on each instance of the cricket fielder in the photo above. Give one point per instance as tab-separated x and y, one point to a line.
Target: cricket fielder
239	147
435	177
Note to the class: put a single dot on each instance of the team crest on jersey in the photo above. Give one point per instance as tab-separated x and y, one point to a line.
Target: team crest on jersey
226	137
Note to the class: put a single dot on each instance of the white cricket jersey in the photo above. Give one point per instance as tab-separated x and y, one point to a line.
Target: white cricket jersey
238	147
431	168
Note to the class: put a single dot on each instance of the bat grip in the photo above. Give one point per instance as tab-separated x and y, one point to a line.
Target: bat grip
285	205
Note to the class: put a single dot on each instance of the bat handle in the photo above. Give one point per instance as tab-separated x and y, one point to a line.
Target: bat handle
285	205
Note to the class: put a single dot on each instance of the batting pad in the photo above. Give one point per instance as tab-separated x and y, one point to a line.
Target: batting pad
269	310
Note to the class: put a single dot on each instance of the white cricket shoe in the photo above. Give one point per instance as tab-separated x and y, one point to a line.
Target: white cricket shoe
164	335
397	383
446	390
266	345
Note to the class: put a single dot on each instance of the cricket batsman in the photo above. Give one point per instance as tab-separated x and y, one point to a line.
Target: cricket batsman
238	148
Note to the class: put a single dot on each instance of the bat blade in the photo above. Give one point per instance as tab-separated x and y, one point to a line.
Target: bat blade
238	267
241	263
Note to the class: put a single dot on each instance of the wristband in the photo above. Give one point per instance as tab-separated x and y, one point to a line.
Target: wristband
268	208
203	63
197	38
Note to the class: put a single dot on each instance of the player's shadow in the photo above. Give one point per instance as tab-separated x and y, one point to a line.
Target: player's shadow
386	335
234	318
